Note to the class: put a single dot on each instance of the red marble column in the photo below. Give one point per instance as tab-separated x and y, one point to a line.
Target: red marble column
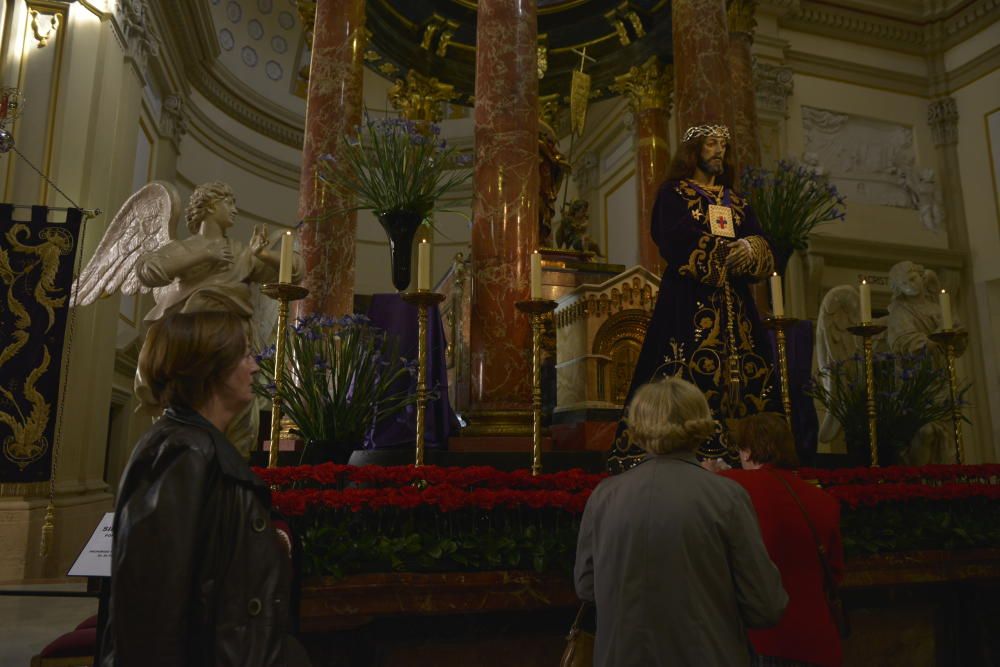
701	63
505	212
648	90
333	109
746	134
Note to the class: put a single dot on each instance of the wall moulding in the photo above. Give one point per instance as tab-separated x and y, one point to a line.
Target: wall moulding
916	34
241	154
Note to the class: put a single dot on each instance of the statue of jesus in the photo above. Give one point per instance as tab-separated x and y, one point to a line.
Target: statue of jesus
705	327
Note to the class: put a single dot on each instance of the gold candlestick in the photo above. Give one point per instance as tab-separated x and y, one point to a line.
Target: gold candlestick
423	300
282	293
868	331
780	325
952	340
536	309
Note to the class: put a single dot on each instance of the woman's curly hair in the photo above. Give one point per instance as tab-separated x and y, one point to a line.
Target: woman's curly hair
669	414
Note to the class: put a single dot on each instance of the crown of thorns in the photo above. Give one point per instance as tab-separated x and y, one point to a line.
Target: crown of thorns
720	131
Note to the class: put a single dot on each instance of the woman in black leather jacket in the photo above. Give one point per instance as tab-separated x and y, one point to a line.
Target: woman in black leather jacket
199	576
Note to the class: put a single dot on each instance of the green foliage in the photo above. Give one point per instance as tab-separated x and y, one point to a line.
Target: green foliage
340	379
790	202
392	164
918	525
910	392
338	543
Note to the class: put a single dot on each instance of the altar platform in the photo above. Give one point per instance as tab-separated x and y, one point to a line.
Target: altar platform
921	608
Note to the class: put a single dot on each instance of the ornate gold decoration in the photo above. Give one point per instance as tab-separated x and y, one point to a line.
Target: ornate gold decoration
372	56
282	293
419	97
536	310
43	38
422	299
636	22
548	109
741	17
543	60
647	86
781	325
953	340
867	331
307	17
388	69
438	25
27	442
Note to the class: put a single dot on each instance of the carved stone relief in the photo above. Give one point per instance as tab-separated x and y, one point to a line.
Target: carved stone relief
871	161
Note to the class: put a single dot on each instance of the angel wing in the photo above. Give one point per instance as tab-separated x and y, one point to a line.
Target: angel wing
144	223
838	310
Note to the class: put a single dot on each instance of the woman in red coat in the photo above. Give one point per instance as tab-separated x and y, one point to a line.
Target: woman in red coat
806	634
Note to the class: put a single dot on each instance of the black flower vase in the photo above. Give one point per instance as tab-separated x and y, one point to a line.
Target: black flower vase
400	227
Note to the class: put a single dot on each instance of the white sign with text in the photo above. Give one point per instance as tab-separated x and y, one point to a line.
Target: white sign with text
95	559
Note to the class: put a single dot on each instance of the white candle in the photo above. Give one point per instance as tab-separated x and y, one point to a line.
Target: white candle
536	275
866	302
777	298
944	300
285	267
424	266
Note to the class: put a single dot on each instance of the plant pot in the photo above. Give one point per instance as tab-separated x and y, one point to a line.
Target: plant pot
326	451
400	227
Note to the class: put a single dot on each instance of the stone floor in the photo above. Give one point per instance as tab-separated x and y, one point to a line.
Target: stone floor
27	624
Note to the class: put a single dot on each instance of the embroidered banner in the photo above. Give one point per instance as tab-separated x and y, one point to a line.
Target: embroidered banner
36	274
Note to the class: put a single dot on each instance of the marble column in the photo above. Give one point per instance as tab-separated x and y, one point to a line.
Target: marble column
333	110
702	92
505	214
648	89
746	133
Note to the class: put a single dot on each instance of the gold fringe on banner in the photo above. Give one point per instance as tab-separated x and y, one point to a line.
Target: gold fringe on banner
16	489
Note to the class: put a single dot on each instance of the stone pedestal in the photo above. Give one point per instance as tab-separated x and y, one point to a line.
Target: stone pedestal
599	334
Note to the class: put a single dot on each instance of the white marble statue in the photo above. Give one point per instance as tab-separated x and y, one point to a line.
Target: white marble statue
207	271
915	313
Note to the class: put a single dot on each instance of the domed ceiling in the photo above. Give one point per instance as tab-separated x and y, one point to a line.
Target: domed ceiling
438	38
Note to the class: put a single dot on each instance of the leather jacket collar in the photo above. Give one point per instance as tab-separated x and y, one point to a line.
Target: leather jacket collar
232	464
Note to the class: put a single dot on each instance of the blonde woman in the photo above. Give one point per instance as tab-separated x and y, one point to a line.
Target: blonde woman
671	554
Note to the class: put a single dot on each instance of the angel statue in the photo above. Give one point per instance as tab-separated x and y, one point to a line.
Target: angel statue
207	271
914	314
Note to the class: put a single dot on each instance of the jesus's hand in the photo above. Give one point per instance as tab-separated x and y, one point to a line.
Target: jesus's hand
739	254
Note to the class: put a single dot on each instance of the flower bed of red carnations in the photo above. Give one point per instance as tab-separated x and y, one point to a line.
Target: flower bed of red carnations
914	508
381	519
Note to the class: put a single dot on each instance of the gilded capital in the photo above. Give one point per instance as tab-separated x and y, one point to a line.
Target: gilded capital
647	86
741	17
419	97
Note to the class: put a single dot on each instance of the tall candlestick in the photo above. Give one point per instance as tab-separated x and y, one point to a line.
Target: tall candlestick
944	300
866	302
424	265
777	298
285	267
536	275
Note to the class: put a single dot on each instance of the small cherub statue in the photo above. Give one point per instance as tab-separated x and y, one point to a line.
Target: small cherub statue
208	271
572	233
